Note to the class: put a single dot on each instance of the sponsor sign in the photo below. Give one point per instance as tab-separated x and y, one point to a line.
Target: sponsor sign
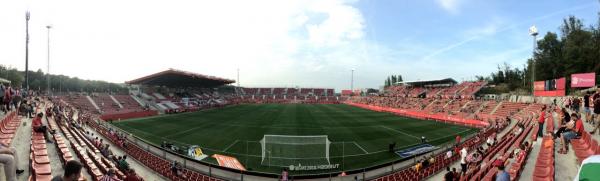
561	83
539	85
301	167
416	150
583	80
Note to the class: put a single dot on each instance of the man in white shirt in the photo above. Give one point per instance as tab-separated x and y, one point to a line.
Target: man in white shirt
463	160
490	141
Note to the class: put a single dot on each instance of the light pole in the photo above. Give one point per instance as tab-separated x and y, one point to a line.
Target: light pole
27	50
352	81
48	56
533	32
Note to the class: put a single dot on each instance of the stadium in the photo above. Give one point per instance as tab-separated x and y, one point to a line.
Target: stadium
285	114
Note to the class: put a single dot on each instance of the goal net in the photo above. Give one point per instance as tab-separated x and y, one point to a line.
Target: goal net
286	150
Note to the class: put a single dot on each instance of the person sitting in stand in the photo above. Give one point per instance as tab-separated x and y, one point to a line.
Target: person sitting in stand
110	176
38	127
566	118
72	172
176	169
132	176
123	165
574	130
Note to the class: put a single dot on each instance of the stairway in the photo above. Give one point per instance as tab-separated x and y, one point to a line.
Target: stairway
93	103
115	100
496	108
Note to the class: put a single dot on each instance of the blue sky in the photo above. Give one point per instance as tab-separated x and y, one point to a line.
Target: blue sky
275	43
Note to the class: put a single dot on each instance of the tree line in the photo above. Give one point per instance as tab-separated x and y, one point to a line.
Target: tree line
575	49
392	79
58	83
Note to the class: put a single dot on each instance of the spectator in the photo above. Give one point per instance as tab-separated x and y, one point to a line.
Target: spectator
425	162
176	169
132	176
596	113
123	165
110	176
566	118
521	153
541	121
72	172
502	175
38	127
463	160
449	176
573	130
284	175
449	154
586	108
9	159
490	141
456	174
457	140
2	108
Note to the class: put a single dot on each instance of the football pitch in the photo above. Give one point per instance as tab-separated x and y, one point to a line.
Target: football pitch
358	137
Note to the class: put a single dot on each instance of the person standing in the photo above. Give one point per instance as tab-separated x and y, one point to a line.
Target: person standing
541	121
2	108
463	160
596	113
586	108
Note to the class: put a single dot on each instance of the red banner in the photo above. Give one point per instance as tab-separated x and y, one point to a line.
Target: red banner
553	93
539	85
424	115
346	92
561	84
583	80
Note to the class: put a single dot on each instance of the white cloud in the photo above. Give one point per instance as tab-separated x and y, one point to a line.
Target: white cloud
273	42
452	6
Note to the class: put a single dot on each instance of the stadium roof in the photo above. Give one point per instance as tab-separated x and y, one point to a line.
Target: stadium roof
179	78
4	81
449	81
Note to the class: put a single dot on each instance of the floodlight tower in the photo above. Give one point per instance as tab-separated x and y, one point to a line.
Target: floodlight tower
48	57
352	80
533	32
27	17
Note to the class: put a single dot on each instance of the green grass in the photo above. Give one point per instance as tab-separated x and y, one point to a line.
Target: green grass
359	137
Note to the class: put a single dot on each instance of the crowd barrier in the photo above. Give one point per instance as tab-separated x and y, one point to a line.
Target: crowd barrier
423	115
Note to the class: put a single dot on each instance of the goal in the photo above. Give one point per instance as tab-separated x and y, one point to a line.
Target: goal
286	150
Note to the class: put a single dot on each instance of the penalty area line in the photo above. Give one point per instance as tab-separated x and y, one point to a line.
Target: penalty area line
361	148
398	131
230	145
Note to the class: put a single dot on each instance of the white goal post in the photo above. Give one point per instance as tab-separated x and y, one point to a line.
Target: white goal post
285	150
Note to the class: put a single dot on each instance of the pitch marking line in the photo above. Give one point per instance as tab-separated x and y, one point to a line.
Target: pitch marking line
398	131
183	132
231	145
360	147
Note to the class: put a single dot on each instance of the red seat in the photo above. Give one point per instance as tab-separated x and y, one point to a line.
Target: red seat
43	177
543	171
41	169
42	159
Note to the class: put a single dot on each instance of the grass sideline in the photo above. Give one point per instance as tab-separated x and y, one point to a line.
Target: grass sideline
360	135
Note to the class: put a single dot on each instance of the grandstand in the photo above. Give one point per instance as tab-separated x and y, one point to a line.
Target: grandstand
456	107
